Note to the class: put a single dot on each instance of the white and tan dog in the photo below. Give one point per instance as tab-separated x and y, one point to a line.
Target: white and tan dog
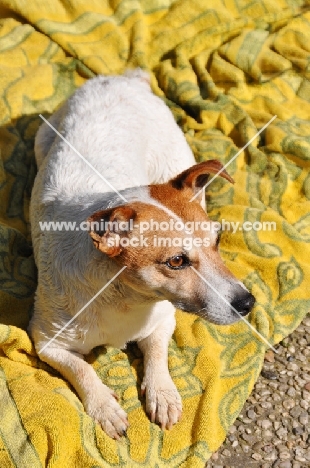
130	137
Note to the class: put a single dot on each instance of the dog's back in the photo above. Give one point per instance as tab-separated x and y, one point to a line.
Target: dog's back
123	130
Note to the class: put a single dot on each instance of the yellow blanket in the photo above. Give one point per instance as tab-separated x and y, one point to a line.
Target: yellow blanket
224	68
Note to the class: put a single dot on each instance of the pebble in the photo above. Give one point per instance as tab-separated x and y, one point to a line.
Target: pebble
299	451
251	414
297	430
303	419
270	375
226	453
260	410
303	342
274	385
289	403
285	464
284	455
295	412
283	387
281	433
291	392
247	420
248	438
269	356
268	448
307	387
266	424
271	456
277	397
292	366
266	405
300	381
257	446
304	404
256	456
301	357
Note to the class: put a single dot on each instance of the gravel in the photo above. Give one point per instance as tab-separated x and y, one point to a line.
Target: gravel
273	429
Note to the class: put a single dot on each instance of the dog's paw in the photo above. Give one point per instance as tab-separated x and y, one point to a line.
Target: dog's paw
163	402
105	410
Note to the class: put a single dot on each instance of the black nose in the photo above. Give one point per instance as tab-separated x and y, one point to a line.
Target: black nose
243	303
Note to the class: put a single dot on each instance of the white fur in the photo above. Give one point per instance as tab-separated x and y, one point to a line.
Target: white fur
131	138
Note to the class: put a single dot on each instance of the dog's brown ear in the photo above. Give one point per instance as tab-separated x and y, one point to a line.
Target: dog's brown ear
108	227
197	176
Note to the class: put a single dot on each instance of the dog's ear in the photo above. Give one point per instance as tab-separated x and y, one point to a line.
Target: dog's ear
197	176
108	227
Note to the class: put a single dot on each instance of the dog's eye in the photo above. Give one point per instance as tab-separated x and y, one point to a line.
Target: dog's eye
177	262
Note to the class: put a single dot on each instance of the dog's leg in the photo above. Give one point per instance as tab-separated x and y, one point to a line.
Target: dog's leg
99	400
163	401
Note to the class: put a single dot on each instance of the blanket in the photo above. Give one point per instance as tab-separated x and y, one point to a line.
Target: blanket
224	68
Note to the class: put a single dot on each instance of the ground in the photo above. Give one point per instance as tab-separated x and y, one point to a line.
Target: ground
273	429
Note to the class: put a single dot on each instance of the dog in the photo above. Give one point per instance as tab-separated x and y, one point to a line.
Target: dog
125	163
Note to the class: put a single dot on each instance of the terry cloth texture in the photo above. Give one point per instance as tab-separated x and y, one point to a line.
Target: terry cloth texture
225	68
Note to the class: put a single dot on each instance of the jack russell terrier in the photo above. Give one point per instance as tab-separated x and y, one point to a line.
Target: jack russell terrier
140	172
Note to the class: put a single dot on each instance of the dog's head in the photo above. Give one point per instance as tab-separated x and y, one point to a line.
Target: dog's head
170	248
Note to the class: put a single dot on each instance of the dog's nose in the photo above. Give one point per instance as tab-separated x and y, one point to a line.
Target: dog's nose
243	304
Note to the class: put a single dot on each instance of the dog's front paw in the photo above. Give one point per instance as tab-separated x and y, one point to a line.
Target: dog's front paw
163	402
105	410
